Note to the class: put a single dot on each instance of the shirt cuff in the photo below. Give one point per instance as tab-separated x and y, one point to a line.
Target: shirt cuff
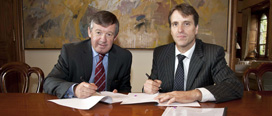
206	95
70	92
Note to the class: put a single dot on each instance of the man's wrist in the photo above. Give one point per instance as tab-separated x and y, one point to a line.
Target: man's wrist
74	89
198	95
206	95
70	92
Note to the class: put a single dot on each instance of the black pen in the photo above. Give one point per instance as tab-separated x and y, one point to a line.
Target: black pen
149	77
81	78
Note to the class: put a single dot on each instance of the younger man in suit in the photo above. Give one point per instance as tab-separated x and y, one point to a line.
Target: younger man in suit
190	70
92	65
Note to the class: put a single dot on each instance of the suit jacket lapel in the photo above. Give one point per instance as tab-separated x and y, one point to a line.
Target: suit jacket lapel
87	60
195	64
169	65
112	62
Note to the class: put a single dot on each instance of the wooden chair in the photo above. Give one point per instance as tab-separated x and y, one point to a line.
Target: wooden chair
258	73
16	75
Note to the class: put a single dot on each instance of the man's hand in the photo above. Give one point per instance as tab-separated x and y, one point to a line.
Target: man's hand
180	96
151	86
115	91
84	90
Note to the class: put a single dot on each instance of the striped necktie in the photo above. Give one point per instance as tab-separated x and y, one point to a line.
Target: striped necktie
99	78
179	77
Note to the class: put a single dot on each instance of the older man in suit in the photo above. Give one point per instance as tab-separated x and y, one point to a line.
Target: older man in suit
190	70
92	65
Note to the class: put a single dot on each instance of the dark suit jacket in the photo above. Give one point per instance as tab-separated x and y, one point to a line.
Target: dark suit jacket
76	60
208	68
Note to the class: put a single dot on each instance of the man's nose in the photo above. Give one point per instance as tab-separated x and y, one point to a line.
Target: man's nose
180	28
103	38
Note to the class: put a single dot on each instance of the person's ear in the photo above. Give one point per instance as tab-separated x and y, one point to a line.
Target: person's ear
115	37
196	31
89	32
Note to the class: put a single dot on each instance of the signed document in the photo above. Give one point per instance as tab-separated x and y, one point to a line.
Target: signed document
87	103
110	97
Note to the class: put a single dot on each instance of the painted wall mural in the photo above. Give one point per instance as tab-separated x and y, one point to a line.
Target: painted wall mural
143	23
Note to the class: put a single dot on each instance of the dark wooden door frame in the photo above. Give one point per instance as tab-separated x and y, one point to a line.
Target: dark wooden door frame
19	32
233	30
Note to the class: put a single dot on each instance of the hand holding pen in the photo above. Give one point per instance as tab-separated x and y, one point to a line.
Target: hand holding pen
152	86
84	89
92	84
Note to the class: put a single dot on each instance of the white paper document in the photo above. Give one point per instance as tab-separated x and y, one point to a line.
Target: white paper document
185	111
87	103
135	98
110	97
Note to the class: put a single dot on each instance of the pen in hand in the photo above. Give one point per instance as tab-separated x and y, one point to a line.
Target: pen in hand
81	78
149	77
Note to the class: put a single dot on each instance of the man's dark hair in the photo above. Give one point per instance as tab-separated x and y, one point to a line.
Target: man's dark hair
185	10
105	19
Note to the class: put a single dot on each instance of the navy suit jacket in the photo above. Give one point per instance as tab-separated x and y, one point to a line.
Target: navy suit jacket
76	60
207	68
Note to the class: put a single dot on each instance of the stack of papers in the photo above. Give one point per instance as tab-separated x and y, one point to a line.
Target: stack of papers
87	103
110	97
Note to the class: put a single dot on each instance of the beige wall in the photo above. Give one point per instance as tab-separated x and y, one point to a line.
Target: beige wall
141	64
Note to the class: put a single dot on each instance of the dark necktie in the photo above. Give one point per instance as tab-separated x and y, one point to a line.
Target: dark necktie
99	78
179	77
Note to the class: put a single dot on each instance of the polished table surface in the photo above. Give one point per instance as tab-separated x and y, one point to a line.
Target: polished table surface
33	104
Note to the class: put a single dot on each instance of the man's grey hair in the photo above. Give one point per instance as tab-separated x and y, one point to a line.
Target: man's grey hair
105	19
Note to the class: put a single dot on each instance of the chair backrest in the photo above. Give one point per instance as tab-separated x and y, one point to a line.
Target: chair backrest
20	73
259	73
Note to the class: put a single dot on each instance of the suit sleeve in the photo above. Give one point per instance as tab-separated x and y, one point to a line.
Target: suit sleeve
56	83
227	86
154	70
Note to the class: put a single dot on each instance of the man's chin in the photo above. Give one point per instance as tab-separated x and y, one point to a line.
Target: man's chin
102	51
181	44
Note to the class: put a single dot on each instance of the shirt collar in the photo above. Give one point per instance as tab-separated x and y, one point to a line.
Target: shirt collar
96	54
188	53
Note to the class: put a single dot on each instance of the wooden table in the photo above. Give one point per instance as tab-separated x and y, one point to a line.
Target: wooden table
32	104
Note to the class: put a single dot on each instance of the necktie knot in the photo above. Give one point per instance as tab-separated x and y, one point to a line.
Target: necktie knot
181	57
101	56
